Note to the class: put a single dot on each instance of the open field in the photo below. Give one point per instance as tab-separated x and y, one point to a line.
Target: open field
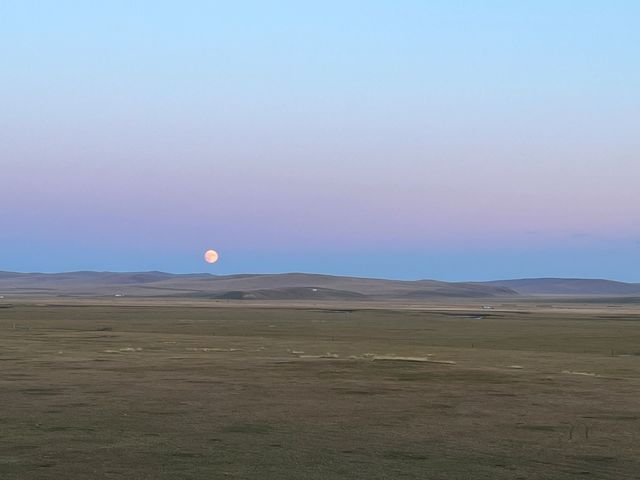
204	390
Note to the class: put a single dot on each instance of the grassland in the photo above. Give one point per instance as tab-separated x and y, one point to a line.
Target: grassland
209	390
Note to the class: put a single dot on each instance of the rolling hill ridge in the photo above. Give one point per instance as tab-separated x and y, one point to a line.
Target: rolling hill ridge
292	286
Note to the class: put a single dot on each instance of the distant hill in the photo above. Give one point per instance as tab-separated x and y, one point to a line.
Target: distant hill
301	286
293	286
291	293
461	291
568	286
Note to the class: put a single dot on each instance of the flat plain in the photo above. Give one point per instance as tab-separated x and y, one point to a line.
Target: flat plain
153	389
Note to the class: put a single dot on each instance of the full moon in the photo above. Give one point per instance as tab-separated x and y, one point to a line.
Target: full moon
211	256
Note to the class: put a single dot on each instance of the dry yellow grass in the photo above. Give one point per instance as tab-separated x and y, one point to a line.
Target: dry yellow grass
200	391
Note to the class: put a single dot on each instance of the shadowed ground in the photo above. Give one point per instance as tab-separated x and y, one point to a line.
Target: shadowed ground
217	391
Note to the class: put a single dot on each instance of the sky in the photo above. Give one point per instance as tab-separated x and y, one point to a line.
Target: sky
455	140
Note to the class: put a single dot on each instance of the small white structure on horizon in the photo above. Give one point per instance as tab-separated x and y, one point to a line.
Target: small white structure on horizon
119	295
487	307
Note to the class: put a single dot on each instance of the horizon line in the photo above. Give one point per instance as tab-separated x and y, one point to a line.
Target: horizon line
124	272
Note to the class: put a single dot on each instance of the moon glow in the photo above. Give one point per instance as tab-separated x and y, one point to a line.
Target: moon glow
211	256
